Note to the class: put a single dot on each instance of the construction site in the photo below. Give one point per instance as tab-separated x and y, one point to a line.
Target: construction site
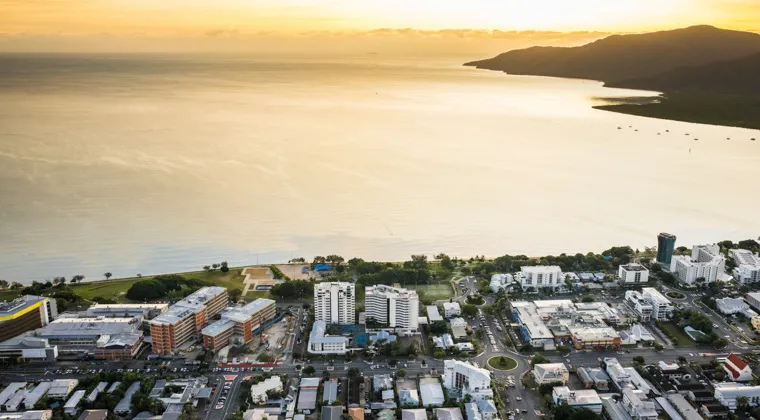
268	345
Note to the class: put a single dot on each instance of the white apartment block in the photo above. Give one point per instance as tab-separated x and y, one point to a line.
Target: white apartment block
747	266
320	343
541	276
463	378
335	303
727	392
632	274
649	304
706	262
451	309
397	308
501	281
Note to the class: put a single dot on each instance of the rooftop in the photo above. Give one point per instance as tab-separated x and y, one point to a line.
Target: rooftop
191	304
19	304
90	327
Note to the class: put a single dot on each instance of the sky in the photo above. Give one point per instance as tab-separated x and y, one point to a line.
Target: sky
61	24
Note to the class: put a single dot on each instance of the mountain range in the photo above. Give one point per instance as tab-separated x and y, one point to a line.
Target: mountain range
698	58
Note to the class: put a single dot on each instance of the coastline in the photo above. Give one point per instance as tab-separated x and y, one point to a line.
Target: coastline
742	111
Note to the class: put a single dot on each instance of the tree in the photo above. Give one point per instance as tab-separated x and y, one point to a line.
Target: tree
439	354
469	310
446	262
223	267
401	373
16	285
59	280
587	299
418	262
563	349
658	346
146	290
720	342
206	268
107	275
234	294
308	370
467	398
354	372
3	284
77	278
539	358
742	401
638	360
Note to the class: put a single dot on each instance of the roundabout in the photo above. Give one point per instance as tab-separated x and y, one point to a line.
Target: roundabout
502	363
675	295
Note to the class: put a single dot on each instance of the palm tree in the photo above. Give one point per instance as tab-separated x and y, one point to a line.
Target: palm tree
107	275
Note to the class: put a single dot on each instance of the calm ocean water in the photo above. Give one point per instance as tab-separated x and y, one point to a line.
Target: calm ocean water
149	164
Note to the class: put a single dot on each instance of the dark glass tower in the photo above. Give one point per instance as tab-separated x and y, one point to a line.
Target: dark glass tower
666	244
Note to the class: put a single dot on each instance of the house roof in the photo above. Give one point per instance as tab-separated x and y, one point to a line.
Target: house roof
414	414
736	361
332	413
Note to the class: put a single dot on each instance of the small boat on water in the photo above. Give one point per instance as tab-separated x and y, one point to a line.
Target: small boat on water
752	139
620	128
636	130
696	139
687	134
667	131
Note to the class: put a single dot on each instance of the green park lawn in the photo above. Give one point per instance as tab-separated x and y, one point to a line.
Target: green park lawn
438	291
679	334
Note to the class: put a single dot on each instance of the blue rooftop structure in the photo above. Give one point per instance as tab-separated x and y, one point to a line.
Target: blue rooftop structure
388	337
322	267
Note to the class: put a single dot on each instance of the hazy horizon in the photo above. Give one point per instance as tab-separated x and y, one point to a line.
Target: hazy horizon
346	26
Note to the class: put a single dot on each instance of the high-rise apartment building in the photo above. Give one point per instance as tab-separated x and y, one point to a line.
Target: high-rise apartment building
666	244
25	314
706	263
185	320
335	303
393	307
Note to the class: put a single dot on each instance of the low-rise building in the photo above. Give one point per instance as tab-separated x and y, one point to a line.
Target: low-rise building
747	266
726	393
546	373
146	310
414	414
451	309
451	413
541	276
36	394
431	392
458	327
632	274
320	343
737	369
332	413
594	378
93	415
729	306
443	341
99	337
501	281
307	394
462	378
488	409
584	398
10	390
259	390
408	397
72	405
61	388
124	406
649	304
95	392
684	408
330	390
382	382
638	405
432	314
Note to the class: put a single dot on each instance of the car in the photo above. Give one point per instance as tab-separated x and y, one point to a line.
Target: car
518	398
219	406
